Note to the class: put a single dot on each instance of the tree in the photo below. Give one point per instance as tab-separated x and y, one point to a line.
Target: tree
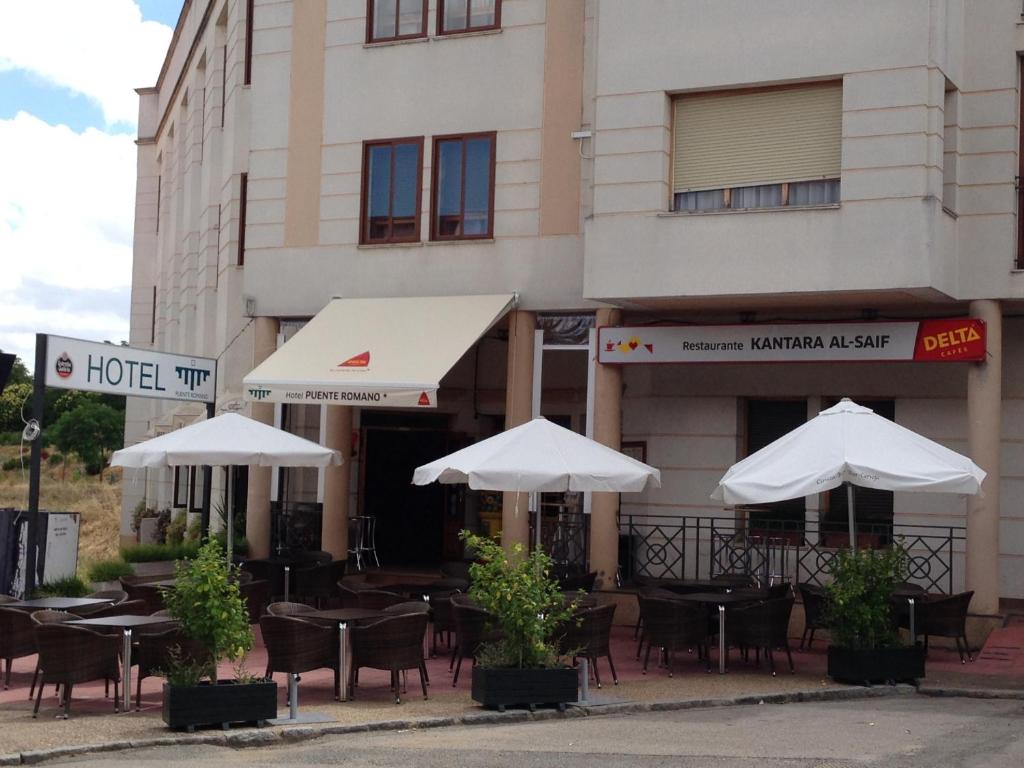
11	401
91	431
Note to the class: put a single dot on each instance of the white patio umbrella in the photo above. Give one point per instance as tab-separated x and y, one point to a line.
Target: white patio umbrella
540	456
227	440
850	444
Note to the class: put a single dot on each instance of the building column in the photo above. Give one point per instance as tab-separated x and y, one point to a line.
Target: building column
334	525
257	503
984	419
604	507
515	516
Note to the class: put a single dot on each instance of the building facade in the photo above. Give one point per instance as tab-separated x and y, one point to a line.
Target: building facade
776	168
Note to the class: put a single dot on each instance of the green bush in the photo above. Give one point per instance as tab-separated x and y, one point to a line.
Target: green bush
175	533
527	602
239	544
108	570
148	553
860	596
55	459
14	463
10	438
70	586
208	604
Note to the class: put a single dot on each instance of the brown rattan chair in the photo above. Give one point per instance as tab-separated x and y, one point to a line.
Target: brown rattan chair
763	625
473	626
944	616
114	595
378	599
70	655
393	644
157	648
815	599
317	583
295	646
256	593
289	609
647	591
45	617
672	625
588	635
17	639
443	620
153	596
348	592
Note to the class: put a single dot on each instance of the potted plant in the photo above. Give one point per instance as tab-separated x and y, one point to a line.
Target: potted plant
866	646
522	668
215	622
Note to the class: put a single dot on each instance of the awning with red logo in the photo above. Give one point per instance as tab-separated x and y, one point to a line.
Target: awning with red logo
382	353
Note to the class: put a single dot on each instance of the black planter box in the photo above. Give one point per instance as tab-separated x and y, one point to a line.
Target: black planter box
524	687
878	665
221	704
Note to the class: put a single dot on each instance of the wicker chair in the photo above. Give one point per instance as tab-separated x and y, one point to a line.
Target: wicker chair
17	639
127	608
317	582
815	600
458	569
378	599
944	616
256	594
473	626
443	619
289	609
648	591
673	625
295	646
348	592
157	647
153	596
70	655
393	644
115	595
45	617
763	625
588	635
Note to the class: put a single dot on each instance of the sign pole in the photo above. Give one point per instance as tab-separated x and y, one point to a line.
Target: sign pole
204	515
38	405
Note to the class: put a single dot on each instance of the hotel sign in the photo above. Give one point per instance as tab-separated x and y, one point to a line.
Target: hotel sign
117	370
942	340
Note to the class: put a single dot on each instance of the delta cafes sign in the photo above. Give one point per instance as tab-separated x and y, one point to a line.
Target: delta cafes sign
96	367
942	340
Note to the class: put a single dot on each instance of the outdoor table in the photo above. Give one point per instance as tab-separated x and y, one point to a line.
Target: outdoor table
334	615
721	599
407	589
58	603
126	624
684	586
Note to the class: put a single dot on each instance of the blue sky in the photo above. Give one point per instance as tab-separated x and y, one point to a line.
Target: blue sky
67	127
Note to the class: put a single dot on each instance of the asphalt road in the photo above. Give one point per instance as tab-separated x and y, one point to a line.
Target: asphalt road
901	732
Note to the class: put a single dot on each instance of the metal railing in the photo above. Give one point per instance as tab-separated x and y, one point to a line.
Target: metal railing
680	547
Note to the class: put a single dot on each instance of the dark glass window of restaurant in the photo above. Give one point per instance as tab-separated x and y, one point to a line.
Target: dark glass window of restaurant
392	171
395	20
455	16
767	421
463	190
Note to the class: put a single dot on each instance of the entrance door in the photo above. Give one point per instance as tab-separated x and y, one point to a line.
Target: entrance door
410	518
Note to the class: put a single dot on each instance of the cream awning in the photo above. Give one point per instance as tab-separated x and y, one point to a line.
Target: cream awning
384	353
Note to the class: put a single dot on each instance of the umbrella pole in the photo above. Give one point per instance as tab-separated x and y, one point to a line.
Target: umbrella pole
228	511
850	514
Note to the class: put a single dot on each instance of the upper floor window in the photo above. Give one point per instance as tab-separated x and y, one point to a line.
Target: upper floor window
392	174
463	187
454	16
395	20
768	148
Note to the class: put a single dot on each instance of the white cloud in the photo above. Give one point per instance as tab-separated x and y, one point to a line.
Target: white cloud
100	48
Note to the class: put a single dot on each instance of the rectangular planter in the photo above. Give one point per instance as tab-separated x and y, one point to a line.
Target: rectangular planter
524	687
878	665
221	704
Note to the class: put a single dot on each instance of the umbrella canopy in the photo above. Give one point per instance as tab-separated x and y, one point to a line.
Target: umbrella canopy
847	443
540	456
229	439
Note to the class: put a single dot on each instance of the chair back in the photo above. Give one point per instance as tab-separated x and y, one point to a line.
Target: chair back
289	609
588	632
17	636
75	654
319	579
762	624
943	616
815	600
256	594
378	599
783	589
316	556
409	606
294	645
672	623
116	595
153	596
463	598
52	617
473	626
127	608
392	643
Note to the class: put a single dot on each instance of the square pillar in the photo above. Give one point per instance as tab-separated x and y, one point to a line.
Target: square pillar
604	509
515	517
257	503
334	522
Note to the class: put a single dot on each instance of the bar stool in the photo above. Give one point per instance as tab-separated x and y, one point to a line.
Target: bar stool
362	534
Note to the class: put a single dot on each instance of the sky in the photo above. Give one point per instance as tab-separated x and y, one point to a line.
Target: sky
68	109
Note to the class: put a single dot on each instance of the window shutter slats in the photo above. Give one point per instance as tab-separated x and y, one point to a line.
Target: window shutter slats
742	139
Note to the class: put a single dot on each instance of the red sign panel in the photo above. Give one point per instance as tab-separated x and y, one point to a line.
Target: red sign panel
956	338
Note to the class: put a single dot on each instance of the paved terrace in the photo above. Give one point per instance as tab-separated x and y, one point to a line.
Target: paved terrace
999	666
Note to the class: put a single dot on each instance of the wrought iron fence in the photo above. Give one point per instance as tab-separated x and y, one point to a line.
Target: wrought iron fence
565	536
295	526
680	547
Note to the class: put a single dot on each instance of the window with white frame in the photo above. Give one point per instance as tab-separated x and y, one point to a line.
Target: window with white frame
755	149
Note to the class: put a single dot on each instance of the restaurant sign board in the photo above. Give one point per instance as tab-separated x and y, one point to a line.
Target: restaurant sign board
95	367
939	340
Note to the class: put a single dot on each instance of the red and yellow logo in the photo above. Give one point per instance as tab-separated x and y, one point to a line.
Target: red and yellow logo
959	338
357	361
625	347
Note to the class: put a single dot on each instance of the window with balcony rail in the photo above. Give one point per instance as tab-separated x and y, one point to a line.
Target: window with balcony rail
756	149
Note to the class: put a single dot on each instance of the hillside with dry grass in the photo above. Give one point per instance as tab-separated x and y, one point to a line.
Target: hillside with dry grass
69	489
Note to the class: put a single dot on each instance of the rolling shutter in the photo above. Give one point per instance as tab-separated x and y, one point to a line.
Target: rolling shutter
748	138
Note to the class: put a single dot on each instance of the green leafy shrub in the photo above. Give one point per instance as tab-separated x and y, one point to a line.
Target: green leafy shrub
55	459
239	544
194	532
175	533
207	602
860	596
10	438
12	464
527	602
69	586
108	570
148	553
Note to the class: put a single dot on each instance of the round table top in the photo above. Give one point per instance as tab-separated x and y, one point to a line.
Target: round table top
126	620
342	614
722	598
59	603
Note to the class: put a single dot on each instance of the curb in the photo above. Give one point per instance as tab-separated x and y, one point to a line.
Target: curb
970	693
299	734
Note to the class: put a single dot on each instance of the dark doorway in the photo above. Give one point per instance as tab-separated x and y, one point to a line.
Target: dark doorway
410	518
767	421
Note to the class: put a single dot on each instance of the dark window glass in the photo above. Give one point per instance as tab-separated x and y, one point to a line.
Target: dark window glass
463	187
468	15
391	191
